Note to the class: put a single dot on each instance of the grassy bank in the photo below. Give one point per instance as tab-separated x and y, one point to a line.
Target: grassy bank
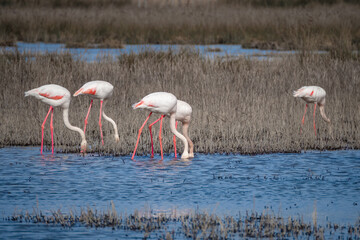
192	224
113	23
239	106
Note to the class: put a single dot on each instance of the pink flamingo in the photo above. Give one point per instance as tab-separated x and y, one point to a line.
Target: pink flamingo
55	96
100	90
163	103
312	94
183	114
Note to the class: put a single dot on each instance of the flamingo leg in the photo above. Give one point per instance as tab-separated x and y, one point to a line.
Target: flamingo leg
101	133
42	130
52	130
314	119
161	149
303	119
151	137
176	124
138	138
87	116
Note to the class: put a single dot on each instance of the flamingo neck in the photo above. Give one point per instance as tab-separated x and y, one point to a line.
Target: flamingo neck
179	135
185	128
116	134
73	128
323	115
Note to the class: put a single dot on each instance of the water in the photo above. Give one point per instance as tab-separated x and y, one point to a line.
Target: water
289	184
92	54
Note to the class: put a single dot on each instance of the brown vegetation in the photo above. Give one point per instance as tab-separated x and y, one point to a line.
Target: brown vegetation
239	106
193	224
112	23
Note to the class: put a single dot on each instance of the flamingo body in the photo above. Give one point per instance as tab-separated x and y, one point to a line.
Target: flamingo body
311	94
52	94
97	89
165	104
101	90
183	114
158	102
183	111
315	95
56	96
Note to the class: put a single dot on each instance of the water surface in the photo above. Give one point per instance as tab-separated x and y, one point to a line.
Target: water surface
93	54
289	184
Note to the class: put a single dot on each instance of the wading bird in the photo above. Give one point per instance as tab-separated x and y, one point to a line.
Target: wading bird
100	90
312	94
55	96
183	114
163	103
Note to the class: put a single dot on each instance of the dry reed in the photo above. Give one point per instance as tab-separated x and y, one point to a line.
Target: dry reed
331	27
192	224
239	106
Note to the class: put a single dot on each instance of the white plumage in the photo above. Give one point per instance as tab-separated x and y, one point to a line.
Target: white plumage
311	94
163	103
183	111
97	89
52	94
158	102
56	96
100	90
315	95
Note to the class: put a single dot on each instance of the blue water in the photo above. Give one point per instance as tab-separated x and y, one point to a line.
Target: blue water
289	184
93	54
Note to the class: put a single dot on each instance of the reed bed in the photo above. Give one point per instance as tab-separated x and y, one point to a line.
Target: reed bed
110	23
239	106
192	224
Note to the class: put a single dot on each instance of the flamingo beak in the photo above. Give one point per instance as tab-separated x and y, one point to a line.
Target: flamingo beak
136	105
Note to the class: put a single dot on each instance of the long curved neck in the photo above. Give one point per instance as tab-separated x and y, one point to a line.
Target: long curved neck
322	112
116	134
73	128
179	135
185	128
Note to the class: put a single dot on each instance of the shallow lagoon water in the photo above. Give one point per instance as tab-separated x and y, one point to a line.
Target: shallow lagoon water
289	184
93	54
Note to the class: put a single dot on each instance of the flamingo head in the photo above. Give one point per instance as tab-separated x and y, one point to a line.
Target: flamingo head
83	146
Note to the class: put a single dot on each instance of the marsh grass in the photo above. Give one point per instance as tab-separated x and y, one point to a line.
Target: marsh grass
105	44
239	106
192	224
316	27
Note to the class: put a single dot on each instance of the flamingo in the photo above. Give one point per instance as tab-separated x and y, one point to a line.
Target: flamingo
163	103
312	94
56	96
100	90
183	114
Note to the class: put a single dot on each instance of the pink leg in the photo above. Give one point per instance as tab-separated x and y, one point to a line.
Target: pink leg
303	119
314	119
101	133
138	138
52	131
87	116
42	130
161	149
152	145
176	124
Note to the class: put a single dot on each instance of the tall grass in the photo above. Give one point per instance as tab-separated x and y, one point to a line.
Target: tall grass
159	3
315	27
239	106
